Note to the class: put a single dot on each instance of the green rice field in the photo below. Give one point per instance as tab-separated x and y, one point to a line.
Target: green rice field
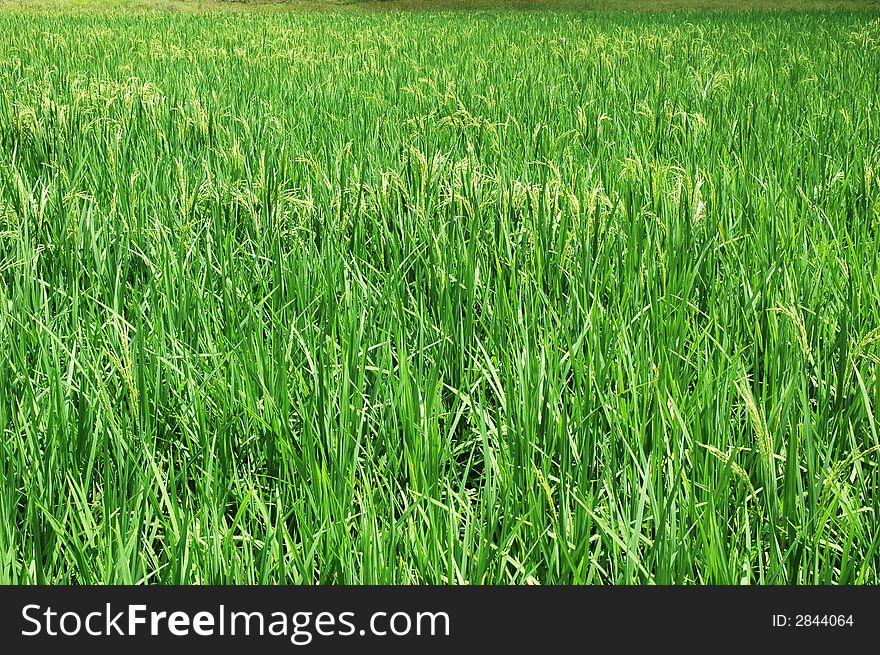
458	297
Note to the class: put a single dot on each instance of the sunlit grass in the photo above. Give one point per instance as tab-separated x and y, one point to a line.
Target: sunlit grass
483	298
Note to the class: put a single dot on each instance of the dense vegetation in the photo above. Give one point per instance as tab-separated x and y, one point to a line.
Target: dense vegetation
487	298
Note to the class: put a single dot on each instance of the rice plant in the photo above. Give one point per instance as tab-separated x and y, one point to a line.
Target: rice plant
545	297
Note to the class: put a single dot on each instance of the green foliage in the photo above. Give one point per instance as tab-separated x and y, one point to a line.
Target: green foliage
449	298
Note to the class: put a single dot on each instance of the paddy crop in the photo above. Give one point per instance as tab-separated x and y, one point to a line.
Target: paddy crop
541	297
